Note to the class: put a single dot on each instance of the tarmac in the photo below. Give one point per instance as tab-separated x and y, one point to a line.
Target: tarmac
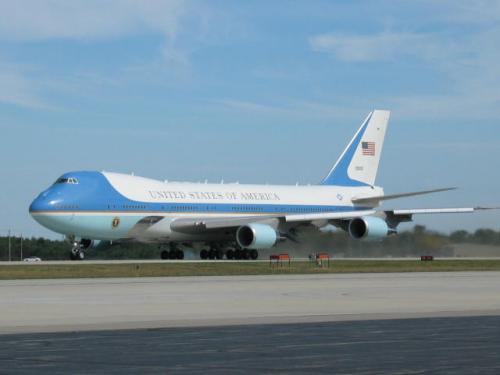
467	345
95	304
332	323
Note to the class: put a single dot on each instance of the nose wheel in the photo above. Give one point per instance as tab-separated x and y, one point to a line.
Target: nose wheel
77	253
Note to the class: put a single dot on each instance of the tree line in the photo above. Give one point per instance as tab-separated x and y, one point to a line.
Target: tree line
415	242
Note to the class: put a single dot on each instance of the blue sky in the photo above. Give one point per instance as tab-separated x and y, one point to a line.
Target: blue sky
250	91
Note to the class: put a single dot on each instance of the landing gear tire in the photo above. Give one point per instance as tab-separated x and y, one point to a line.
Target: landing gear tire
77	254
245	254
230	254
238	254
180	254
204	254
211	254
165	255
254	254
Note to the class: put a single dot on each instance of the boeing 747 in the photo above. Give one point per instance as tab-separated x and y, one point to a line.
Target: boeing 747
232	221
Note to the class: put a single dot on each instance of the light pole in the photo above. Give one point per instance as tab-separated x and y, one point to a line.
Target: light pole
10	258
21	247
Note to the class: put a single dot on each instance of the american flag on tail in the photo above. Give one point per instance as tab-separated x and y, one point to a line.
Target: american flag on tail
368	148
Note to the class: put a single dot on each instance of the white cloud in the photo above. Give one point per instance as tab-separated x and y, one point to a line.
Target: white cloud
383	46
249	106
290	109
87	19
81	20
463	50
483	12
17	89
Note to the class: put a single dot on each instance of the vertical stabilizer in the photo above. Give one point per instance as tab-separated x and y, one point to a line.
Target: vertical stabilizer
358	164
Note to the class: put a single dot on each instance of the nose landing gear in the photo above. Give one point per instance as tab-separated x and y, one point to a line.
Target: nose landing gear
77	252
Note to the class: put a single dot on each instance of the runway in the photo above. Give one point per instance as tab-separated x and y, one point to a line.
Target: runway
412	346
332	323
97	304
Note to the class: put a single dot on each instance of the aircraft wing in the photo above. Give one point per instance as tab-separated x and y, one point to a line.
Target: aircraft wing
394	217
198	225
201	225
375	200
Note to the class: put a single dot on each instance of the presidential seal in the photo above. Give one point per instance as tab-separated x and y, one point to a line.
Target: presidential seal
115	222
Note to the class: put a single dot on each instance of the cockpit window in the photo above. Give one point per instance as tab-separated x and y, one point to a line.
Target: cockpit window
70	180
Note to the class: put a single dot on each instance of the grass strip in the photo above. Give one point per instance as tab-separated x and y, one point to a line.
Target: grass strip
138	269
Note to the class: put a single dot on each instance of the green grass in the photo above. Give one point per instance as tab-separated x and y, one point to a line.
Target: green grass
138	269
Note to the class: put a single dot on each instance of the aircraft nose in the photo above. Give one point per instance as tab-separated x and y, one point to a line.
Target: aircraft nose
44	202
38	204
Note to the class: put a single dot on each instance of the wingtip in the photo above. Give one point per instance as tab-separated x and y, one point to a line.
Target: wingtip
482	208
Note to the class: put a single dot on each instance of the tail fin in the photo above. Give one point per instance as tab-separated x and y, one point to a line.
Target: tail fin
358	164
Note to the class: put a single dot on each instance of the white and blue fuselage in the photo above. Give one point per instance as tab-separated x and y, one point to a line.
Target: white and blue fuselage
108	206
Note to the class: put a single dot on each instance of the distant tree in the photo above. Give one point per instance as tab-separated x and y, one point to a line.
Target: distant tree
414	242
485	236
459	236
419	230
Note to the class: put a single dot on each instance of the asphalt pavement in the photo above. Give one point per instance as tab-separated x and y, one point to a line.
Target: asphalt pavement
465	345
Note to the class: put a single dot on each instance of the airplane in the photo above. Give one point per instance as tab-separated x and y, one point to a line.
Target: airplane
232	221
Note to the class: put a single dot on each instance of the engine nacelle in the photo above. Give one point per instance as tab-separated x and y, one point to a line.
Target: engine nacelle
256	236
368	228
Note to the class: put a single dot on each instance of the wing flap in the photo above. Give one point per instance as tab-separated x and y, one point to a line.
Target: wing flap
420	211
329	216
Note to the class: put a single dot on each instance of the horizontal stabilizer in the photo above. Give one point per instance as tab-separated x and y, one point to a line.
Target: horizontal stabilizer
377	199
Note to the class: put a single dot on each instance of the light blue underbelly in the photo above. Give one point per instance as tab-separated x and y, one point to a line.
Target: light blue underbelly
99	226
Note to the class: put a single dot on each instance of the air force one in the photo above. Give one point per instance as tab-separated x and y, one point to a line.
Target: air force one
234	221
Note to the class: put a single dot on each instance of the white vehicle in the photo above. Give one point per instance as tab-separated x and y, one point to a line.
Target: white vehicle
32	259
227	220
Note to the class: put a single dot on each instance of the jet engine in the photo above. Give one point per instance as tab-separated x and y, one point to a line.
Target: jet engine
256	236
368	228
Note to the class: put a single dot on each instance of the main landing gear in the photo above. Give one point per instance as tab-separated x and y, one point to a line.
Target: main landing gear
173	253
212	254
238	254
